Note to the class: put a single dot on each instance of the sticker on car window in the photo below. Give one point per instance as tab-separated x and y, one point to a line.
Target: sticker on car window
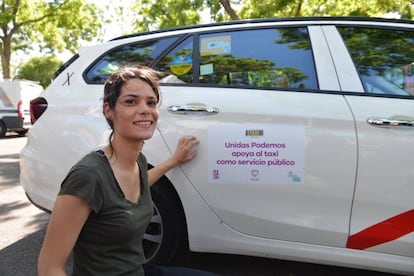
181	65
263	154
219	45
206	69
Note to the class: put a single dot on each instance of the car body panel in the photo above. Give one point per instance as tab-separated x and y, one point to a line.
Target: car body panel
274	207
385	172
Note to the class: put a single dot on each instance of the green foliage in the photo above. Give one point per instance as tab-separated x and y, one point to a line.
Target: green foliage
291	8
158	14
57	25
54	26
40	69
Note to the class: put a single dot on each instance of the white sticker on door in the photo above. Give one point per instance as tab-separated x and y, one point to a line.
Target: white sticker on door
261	154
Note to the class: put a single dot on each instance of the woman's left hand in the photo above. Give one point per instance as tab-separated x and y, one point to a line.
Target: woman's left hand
185	151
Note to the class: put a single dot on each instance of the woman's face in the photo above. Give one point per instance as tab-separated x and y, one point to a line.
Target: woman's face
135	115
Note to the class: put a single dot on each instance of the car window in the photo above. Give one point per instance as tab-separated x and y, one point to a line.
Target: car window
384	58
280	58
143	53
178	63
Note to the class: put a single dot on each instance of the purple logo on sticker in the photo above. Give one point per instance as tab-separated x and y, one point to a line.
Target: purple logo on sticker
216	174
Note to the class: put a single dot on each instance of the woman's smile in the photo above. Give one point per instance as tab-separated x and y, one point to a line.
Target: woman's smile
143	123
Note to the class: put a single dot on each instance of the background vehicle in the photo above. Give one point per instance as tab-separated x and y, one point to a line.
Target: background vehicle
15	97
305	129
9	120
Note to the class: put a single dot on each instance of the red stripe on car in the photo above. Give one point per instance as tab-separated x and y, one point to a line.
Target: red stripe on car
385	231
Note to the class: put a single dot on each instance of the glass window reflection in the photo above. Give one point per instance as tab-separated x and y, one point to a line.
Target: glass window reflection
280	58
143	53
384	59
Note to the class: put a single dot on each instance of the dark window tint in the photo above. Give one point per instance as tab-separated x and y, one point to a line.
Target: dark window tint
143	53
384	59
279	58
178	63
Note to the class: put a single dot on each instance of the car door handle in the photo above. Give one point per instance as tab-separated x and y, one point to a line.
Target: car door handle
389	122
192	109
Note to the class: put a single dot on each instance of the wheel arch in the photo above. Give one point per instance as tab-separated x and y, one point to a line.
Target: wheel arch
167	187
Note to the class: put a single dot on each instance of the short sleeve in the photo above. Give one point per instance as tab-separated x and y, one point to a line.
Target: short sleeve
84	183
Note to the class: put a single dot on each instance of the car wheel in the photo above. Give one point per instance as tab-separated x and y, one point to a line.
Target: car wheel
165	240
3	129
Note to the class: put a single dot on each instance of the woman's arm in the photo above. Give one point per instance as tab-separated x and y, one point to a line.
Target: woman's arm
66	221
184	152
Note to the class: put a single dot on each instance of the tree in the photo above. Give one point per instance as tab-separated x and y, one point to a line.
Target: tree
39	69
292	8
52	25
229	9
156	14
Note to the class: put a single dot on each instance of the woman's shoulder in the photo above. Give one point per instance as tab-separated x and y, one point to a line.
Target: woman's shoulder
94	160
90	167
91	158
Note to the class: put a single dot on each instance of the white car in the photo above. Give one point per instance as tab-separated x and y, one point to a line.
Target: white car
306	130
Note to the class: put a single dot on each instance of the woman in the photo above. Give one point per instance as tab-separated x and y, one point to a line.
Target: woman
104	204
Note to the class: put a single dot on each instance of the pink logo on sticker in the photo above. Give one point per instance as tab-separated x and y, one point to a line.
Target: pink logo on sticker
254	172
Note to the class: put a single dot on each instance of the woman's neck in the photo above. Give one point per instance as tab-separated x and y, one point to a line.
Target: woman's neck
123	153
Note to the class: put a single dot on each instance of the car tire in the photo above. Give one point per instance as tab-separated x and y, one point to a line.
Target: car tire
3	129
165	240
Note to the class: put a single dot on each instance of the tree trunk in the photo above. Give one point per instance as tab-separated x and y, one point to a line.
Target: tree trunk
226	5
299	9
5	52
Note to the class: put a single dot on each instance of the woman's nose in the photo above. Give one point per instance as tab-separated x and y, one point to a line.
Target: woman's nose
143	108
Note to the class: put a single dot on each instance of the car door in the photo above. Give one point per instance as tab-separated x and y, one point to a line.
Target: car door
383	208
277	156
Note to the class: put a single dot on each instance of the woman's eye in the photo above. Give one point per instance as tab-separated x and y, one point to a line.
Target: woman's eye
152	103
130	102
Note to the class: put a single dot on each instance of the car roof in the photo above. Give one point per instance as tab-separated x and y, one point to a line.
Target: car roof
319	20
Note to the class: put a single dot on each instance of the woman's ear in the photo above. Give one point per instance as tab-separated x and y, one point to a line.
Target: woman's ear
108	112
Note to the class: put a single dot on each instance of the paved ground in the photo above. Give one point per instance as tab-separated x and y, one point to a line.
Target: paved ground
30	219
22	225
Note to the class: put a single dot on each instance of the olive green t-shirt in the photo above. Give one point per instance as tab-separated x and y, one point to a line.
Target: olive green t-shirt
110	242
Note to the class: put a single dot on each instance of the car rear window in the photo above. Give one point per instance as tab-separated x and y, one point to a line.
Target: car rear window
143	53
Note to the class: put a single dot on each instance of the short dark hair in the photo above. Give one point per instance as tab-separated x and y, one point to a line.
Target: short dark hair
114	82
